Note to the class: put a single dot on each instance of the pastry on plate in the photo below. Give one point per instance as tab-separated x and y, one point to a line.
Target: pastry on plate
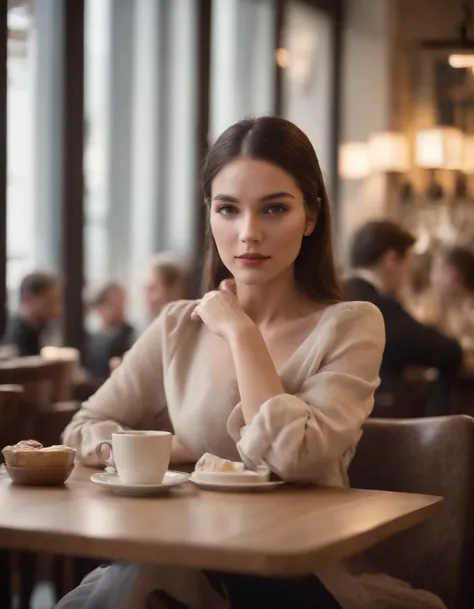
212	463
215	469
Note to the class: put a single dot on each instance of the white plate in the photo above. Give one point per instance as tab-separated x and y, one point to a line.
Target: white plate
113	483
233	486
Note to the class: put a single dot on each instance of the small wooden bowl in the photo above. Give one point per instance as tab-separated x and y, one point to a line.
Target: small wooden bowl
40	459
39	476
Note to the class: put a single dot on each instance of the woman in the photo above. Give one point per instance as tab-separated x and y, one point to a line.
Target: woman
281	371
115	335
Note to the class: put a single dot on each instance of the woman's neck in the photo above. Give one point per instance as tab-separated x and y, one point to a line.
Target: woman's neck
274	301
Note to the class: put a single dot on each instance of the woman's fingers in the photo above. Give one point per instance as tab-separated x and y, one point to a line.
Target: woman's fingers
227	285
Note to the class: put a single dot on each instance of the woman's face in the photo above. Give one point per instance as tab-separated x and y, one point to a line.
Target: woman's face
113	310
258	220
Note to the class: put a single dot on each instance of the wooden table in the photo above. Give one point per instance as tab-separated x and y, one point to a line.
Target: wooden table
287	531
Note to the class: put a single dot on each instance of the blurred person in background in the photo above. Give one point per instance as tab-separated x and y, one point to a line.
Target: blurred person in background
40	307
166	281
115	334
418	296
380	261
452	283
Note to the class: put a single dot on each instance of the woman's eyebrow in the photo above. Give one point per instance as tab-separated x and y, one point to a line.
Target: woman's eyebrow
226	198
277	195
274	195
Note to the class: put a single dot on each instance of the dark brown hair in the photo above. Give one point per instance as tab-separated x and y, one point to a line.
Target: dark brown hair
37	283
277	141
374	239
461	259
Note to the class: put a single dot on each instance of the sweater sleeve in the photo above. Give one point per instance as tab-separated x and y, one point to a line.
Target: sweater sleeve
299	436
132	398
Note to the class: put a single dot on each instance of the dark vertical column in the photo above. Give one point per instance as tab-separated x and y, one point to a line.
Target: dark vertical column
72	259
279	26
3	163
204	91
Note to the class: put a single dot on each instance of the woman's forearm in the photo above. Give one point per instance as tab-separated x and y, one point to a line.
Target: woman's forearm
257	376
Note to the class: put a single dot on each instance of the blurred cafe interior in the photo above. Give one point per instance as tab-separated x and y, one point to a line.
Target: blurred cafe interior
107	109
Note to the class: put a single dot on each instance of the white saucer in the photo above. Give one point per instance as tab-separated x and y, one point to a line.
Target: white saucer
232	486
113	483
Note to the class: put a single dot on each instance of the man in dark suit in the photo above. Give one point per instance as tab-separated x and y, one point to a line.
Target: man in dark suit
40	308
379	257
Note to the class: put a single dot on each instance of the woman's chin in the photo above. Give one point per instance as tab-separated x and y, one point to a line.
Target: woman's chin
251	278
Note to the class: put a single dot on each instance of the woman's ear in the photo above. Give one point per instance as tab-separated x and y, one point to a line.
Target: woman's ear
312	218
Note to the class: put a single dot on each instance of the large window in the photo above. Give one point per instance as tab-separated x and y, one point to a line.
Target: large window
35	131
243	61
141	152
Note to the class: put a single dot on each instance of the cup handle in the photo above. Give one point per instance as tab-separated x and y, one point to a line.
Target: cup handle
100	456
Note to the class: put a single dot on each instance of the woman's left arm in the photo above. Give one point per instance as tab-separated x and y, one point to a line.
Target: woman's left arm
298	435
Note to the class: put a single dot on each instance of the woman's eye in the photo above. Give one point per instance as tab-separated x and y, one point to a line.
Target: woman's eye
226	210
275	210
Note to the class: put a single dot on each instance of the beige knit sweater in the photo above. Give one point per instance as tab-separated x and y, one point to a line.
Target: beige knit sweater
178	370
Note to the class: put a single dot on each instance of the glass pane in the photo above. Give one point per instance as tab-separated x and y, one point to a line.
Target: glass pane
242	61
20	222
96	91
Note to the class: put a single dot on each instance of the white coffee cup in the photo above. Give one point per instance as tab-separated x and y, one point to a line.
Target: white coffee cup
140	457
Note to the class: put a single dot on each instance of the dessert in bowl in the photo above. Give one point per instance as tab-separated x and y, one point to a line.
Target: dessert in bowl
29	462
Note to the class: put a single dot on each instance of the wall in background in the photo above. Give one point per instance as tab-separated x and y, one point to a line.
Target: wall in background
368	36
308	79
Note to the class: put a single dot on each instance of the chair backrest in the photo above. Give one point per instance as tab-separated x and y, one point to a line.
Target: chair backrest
433	456
410	399
44	381
11	415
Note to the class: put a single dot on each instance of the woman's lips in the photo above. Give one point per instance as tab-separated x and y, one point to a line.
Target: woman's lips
252	260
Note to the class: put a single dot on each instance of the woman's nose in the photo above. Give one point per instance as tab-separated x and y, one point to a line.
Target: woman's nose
251	230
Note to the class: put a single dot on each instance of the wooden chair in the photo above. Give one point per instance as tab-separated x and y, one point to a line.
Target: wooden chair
44	380
433	456
45	412
464	394
410	400
10	433
11	419
46	397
